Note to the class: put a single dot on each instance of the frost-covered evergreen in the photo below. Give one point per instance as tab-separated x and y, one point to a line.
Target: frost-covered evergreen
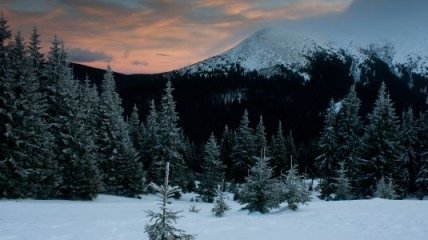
349	132
408	136
278	150
162	227
27	166
295	189
385	190
121	172
328	161
261	192
169	142
243	149
136	131
150	141
343	188
212	171
382	147
220	206
260	141
226	151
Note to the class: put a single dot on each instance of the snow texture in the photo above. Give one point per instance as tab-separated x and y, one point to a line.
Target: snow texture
116	218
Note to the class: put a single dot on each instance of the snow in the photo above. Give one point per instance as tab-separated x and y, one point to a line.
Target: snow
366	23
115	218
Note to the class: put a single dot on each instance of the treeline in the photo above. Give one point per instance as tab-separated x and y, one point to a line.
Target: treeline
360	160
70	139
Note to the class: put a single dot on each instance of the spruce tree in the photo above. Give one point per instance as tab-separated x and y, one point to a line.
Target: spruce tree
36	58
135	131
212	170
169	145
278	149
150	141
220	206
328	161
382	146
243	149
261	192
343	188
226	151
349	132
408	136
162	227
28	169
422	156
260	141
118	160
295	189
385	190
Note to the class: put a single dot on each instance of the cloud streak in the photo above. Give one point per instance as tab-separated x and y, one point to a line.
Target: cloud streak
171	34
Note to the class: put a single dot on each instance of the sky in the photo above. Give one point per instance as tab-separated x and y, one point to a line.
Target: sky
151	36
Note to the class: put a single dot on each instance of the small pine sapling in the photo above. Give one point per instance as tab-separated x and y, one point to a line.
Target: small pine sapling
295	189
385	190
220	205
342	186
162	227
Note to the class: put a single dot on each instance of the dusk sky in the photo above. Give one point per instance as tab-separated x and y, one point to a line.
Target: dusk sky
148	36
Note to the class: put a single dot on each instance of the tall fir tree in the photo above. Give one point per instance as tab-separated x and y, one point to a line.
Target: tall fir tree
278	150
381	156
260	141
422	156
36	58
212	170
243	149
150	141
118	160
136	132
226	151
408	136
27	167
169	144
328	161
349	132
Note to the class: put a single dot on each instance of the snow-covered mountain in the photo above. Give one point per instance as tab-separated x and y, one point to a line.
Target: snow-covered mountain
392	30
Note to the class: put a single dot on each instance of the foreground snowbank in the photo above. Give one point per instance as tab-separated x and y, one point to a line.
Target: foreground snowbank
115	218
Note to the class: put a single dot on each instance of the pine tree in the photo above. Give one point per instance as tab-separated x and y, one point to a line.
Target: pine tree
261	192
226	151
150	139
28	169
5	35
118	160
349	132
381	150
162	227
328	161
385	190
278	150
169	143
295	189
135	132
212	170
36	58
422	156
260	141
422	177
220	206
343	186
243	149
408	135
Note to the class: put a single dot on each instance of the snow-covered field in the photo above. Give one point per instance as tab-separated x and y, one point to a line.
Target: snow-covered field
115	218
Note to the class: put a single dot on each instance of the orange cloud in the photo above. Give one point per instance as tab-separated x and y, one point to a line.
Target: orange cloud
138	31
